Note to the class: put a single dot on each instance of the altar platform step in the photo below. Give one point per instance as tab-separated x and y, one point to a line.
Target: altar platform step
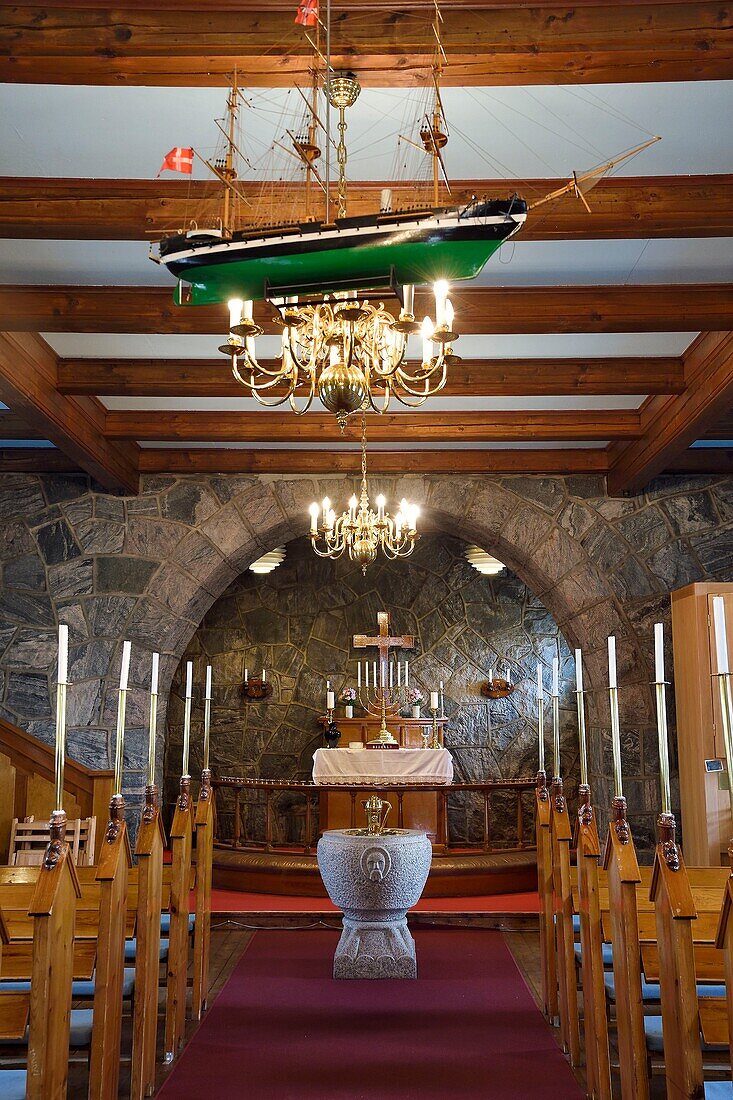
454	875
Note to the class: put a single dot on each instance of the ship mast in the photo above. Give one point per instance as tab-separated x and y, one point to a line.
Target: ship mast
227	169
432	135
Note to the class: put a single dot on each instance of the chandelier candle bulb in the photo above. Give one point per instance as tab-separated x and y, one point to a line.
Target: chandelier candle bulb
408	292
61	688
581	717
153	722
449	314
247	311
235	312
615	728
187	716
314	518
661	690
721	638
440	290
427	340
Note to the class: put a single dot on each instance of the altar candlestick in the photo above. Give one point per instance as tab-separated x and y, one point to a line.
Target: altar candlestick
491	675
581	717
399	674
330	700
246	676
207	717
433	700
661	694
556	716
121	705
721	638
442	700
187	715
540	719
659	653
153	718
377	681
407	680
366	674
264	675
615	729
63	676
358	674
391	674
508	675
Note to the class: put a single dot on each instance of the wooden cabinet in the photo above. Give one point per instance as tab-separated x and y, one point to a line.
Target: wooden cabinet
408	731
706	820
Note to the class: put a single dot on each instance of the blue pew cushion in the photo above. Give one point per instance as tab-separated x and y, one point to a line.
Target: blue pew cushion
165	923
718	1090
650	990
80	1032
606	950
79	988
131	950
655	1042
12	1084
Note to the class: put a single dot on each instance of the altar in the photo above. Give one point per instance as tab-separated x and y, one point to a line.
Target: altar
391	770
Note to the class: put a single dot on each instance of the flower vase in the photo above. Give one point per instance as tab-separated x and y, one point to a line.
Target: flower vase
416	712
349	710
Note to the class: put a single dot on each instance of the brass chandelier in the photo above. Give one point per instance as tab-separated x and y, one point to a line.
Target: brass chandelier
349	352
361	532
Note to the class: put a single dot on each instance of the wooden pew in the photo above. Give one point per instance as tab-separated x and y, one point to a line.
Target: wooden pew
149	851
622	868
14	1014
53	909
115	861
544	888
181	843
561	837
204	867
595	1023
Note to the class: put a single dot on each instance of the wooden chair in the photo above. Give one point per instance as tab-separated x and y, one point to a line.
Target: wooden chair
29	838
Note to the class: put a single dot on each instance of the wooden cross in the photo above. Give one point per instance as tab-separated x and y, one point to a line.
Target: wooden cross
384	643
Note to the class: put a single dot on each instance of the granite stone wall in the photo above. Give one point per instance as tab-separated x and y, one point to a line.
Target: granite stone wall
299	622
150	567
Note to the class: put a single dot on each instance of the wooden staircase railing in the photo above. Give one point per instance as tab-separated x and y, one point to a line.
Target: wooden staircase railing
27	778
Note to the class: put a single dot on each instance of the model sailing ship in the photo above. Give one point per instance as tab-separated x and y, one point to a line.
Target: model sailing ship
389	248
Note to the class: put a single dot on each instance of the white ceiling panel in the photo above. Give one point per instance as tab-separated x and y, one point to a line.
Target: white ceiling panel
527	132
518	263
336	445
435	404
107	345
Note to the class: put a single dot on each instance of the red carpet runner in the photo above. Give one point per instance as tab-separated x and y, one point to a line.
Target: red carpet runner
282	1029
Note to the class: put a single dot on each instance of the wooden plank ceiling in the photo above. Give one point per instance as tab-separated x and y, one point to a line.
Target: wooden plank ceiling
659	373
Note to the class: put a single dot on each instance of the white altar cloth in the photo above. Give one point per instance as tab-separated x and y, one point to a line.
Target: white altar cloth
386	767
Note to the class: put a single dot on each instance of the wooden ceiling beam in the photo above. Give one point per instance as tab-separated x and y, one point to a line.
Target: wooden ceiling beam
479	310
622	207
487	44
703	460
469	378
14	427
671	424
264	426
28	374
36	460
198	461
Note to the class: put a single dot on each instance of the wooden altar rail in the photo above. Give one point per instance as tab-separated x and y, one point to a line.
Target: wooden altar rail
311	792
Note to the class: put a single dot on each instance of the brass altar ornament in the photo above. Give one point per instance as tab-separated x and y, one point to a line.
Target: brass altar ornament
376	819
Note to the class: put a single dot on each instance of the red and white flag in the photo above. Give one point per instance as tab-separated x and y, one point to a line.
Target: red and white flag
307	13
178	160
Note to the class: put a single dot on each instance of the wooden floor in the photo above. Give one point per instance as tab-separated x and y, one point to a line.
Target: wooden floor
230	938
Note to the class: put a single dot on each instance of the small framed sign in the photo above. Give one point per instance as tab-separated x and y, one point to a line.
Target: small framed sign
714	766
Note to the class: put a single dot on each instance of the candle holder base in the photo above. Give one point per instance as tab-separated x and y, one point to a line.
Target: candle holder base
619	822
57	842
151	803
205	788
184	797
667	841
558	795
116	818
542	792
585	810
